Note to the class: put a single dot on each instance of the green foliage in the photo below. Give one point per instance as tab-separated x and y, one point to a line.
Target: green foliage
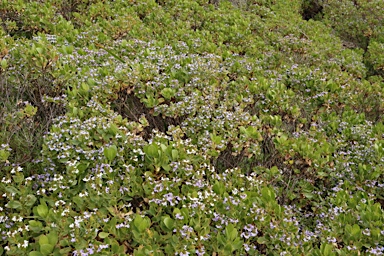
359	24
375	56
191	127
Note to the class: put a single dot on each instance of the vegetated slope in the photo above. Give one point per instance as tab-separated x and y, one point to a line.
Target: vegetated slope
183	127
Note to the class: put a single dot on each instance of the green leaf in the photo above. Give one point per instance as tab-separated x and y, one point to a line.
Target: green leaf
12	190
253	133
78	201
18	178
231	232
274	170
166	167
113	129
110	52
84	87
308	195
168	93
326	249
35	253
46	249
13	204
140	223
163	147
103	235
268	194
67	49
218	188
3	63
66	251
82	167
35	226
262	240
110	152
175	154
4	154
228	248
237	244
43	239
169	222
216	139
355	230
322	174
213	153
64	242
53	238
42	209
30	110
221	239
115	246
152	150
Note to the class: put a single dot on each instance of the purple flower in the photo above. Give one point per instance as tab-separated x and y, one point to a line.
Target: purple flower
201	251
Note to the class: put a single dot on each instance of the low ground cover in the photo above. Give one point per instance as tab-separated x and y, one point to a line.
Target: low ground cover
190	127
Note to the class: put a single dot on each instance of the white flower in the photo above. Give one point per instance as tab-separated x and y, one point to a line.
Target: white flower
25	244
6	181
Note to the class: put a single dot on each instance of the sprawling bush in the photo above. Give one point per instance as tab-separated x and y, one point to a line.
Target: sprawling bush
190	127
358	23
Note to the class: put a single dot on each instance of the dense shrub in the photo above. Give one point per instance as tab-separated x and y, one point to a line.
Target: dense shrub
190	127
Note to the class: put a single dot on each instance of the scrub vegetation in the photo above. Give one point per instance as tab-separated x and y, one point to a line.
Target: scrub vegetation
180	127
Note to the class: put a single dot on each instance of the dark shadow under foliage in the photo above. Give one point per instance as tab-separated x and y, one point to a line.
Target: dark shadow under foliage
24	133
21	30
129	106
311	9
